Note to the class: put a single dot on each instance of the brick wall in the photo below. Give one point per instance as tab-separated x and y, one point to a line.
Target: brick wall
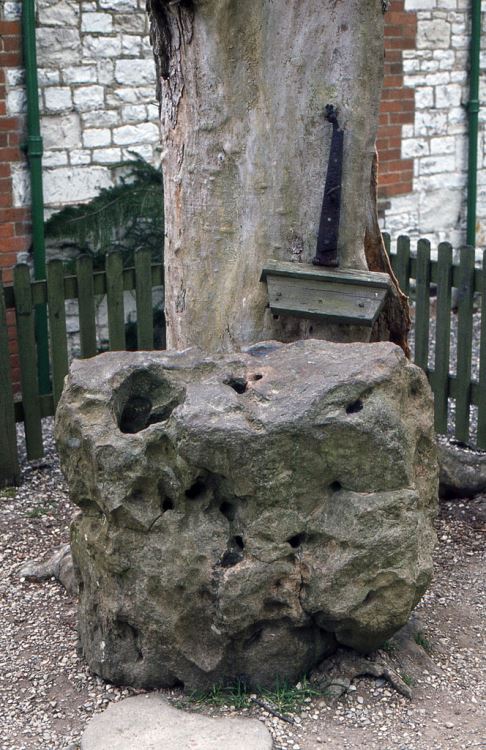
397	105
435	139
14	221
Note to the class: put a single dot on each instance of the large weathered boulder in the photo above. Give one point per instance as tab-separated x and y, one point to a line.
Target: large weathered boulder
243	514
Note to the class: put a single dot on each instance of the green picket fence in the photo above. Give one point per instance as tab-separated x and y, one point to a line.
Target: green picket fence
24	296
459	393
458	382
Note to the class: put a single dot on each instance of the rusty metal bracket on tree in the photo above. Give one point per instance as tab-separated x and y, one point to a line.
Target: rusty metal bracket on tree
327	239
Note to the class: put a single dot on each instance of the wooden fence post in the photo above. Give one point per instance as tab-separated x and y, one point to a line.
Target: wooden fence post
86	306
114	297
442	335
9	465
422	304
143	295
57	326
28	361
481	437
464	342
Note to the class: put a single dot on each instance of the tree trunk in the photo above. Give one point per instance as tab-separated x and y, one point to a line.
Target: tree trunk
243	89
394	322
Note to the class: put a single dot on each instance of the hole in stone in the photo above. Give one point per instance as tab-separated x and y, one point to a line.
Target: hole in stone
162	413
254	638
130	634
237	384
256	376
311	329
144	399
369	597
414	387
85	503
196	490
297	540
167	504
276	317
135	414
230	558
335	486
354	407
228	510
238	540
205	595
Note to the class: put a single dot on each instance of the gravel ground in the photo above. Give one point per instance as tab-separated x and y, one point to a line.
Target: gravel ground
47	694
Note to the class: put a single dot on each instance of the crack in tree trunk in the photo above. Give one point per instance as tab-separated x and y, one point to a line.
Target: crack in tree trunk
394	322
170	27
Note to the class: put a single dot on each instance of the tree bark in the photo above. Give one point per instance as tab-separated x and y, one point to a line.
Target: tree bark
394	322
243	89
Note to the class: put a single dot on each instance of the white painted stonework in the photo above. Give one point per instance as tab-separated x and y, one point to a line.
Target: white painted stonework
437	141
97	95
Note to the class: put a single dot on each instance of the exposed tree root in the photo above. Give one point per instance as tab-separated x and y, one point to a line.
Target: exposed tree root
59	566
336	673
272	711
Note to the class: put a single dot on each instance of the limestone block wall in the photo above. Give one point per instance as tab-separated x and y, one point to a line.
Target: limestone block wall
97	95
97	102
436	69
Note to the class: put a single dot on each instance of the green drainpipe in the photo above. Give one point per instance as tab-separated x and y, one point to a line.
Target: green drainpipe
34	155
473	112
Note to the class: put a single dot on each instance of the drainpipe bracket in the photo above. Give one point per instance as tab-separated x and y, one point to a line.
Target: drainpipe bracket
35	146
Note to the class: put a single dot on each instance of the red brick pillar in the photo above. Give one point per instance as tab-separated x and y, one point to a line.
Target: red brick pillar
15	233
397	104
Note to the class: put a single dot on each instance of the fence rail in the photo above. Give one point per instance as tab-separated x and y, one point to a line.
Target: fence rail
444	342
26	297
456	387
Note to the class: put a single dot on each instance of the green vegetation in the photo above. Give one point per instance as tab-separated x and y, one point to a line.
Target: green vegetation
389	647
408	680
41	510
288	699
233	695
121	218
284	698
8	492
422	640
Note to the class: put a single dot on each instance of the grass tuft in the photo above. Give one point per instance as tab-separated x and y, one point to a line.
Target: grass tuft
284	698
8	492
389	647
408	680
222	695
422	640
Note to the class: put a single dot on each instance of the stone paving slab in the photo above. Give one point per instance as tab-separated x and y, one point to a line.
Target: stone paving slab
148	722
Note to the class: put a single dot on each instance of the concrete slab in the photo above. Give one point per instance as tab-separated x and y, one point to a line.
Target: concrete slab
148	722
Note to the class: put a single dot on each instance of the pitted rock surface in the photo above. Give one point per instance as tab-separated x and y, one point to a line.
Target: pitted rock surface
243	514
